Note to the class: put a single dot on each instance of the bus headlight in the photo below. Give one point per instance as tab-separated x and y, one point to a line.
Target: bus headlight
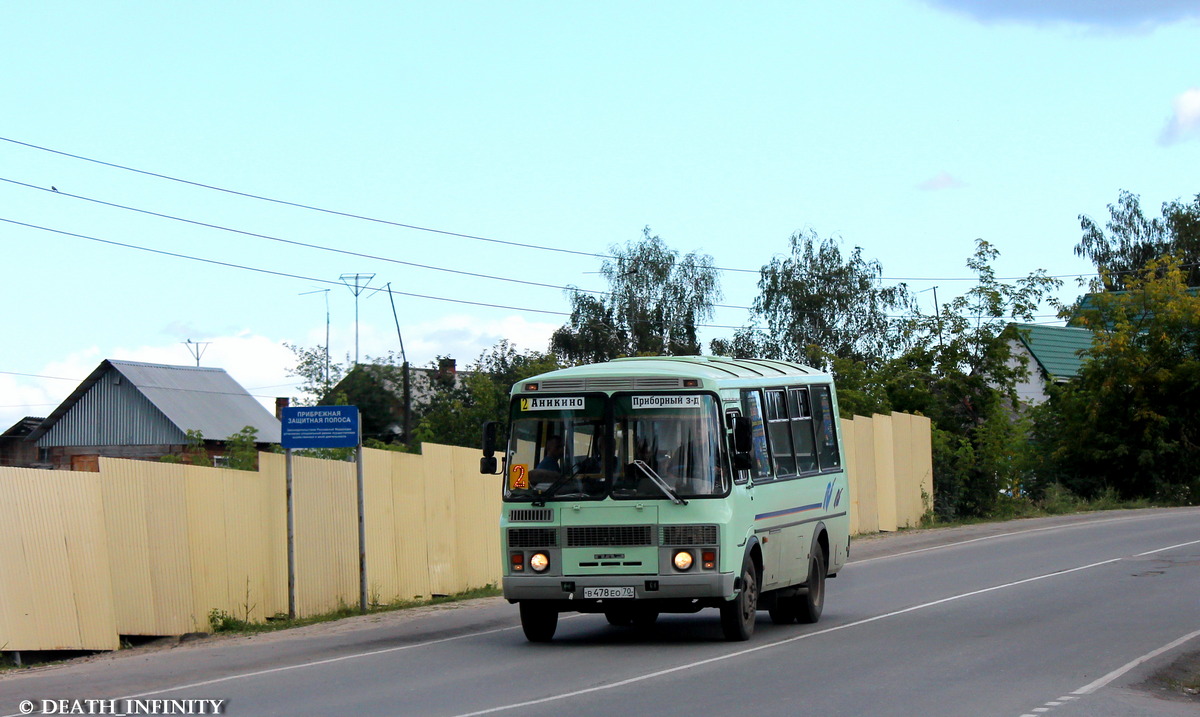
539	562
683	560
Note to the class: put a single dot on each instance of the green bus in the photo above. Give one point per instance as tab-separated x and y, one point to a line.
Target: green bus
644	486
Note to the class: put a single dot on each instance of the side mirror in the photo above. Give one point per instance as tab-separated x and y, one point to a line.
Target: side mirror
489	439
487	464
743	443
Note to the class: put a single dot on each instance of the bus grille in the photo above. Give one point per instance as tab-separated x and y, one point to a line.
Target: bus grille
623	535
532	537
531	515
563	384
689	535
651	382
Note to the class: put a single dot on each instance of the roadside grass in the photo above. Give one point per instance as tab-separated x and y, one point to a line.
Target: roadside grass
1056	500
221	622
1181	678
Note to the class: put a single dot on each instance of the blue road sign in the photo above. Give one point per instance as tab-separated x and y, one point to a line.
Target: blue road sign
320	427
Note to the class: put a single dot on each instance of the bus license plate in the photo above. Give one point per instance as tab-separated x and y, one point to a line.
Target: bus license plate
622	592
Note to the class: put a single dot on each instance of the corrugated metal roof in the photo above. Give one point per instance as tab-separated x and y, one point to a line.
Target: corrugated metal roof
132	403
23	427
705	367
1056	348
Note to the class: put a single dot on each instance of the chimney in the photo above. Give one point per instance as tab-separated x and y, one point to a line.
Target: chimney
447	371
280	404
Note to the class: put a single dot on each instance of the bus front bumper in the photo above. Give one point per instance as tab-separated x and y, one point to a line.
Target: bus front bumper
645	587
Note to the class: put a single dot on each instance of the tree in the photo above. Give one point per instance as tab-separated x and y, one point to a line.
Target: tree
979	426
958	371
376	389
455	414
1130	422
815	305
1133	240
655	303
242	449
318	375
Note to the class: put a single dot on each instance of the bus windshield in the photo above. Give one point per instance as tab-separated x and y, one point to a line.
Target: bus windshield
672	437
564	448
556	450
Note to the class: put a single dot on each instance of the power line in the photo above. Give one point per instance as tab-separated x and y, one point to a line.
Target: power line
269	271
393	291
164	388
321	247
336	250
34	375
300	205
402	225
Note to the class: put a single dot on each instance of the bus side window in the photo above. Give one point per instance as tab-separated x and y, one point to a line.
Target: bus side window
802	429
826	425
760	461
780	432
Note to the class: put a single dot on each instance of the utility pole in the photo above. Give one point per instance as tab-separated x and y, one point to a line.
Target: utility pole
359	285
404	368
326	292
937	309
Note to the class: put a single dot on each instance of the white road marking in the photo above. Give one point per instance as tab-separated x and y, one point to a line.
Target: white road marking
1109	678
1169	547
740	653
315	663
1092	687
998	535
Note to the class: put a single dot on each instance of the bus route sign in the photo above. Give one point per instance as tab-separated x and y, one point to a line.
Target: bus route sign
320	427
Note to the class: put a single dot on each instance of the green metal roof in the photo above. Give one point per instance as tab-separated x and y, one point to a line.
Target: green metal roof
1056	348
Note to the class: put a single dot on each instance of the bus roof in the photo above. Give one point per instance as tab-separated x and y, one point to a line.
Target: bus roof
700	367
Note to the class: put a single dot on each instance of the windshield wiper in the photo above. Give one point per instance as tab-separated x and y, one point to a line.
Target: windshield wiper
540	500
659	482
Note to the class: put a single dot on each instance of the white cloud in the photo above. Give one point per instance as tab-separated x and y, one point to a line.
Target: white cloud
1184	123
1136	15
944	180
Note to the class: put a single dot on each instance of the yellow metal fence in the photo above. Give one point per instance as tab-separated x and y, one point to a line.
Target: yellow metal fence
144	548
890	465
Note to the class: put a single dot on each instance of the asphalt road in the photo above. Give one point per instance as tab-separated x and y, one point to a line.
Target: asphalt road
1067	617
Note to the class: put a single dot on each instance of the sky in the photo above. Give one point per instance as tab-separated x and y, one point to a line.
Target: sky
207	172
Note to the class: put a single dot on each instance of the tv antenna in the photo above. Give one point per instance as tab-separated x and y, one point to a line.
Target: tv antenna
326	293
197	349
359	285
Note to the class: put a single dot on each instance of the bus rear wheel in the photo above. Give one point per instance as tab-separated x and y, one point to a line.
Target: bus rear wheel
810	605
538	621
738	615
785	610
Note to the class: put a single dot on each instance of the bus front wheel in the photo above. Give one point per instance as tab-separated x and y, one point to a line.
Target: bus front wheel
538	621
738	615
